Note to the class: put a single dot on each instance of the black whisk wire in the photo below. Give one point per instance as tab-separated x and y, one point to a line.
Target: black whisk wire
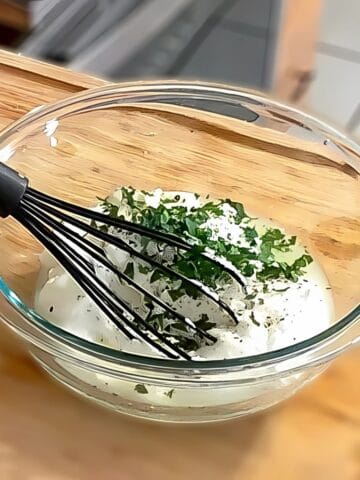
97	254
117	242
67	231
106	300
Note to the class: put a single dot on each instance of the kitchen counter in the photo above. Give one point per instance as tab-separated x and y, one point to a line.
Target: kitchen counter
47	433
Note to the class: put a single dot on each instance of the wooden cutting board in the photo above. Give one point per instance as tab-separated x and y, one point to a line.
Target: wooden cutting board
46	433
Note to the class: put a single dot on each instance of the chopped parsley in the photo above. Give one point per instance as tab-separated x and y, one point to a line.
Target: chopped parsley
170	393
140	388
256	256
129	270
144	269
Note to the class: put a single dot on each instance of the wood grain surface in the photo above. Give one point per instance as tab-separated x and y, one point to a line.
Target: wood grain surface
47	433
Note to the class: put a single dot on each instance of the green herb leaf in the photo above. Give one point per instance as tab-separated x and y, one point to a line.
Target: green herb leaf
176	294
170	393
240	211
156	275
191	226
129	270
266	252
144	269
140	388
164	216
250	233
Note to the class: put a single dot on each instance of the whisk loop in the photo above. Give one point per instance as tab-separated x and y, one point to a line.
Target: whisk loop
56	224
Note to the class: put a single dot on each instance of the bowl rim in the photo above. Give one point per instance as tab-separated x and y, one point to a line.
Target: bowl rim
109	354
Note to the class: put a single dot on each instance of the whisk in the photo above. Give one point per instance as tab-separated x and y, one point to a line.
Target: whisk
57	225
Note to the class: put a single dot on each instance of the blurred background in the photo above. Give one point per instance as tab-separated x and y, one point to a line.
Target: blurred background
303	51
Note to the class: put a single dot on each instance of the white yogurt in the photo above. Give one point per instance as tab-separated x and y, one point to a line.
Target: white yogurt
287	313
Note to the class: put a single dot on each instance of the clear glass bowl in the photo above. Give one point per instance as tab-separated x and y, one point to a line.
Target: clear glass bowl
281	163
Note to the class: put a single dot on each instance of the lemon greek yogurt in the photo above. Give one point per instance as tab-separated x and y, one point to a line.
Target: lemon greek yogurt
287	298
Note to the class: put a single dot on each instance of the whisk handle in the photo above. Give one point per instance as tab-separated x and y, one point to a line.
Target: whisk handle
12	189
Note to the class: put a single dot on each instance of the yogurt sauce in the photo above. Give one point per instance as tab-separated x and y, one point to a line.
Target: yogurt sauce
274	313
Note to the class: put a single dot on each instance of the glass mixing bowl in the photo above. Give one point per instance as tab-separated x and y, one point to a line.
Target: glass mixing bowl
281	163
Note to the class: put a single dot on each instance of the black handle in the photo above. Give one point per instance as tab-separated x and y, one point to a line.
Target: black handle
12	189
